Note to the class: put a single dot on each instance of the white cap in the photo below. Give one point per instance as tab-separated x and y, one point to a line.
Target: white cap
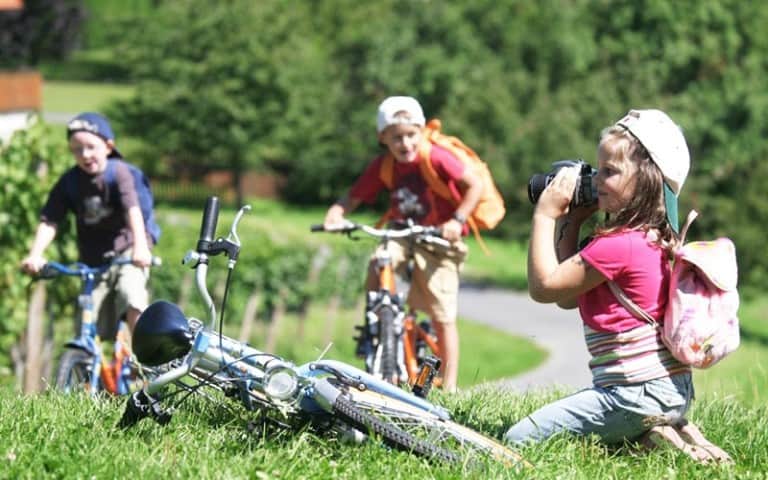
664	141
391	106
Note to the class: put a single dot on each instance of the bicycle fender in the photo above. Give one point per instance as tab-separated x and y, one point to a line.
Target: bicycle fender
84	344
378	385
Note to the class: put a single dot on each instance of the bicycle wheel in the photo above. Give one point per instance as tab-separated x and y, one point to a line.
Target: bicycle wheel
387	349
74	372
412	429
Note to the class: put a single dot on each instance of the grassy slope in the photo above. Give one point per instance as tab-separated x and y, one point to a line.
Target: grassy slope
52	436
73	97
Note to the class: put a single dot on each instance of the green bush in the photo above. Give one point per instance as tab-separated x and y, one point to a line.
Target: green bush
30	163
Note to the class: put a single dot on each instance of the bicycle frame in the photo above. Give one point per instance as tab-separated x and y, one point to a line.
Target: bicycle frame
110	375
407	331
325	393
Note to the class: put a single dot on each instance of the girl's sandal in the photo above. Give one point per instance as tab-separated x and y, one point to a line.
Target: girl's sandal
666	435
691	434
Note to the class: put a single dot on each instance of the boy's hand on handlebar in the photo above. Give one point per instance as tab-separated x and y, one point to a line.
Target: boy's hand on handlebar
141	257
451	230
334	219
33	264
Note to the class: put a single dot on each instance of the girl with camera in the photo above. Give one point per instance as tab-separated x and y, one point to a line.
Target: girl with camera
640	391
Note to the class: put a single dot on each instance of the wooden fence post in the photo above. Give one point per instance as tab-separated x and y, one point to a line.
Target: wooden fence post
316	266
34	339
249	316
275	323
335	302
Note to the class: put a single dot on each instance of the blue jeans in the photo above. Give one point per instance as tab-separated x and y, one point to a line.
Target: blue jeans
615	413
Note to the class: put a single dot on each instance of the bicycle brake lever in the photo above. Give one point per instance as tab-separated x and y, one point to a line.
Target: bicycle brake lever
232	237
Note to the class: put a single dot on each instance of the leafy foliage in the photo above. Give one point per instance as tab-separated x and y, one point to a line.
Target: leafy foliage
266	85
30	163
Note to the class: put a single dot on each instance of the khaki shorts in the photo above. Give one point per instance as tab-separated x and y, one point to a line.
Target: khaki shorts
434	285
121	287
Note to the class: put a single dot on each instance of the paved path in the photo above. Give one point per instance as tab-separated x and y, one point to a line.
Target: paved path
556	330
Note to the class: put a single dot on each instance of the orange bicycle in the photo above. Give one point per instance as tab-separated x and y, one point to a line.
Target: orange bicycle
395	345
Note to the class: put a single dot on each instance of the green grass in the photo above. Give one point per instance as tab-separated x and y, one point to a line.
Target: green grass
55	436
504	265
74	97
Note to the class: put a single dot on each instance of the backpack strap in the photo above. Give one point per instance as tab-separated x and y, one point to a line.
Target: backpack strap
431	132
631	306
688	221
387	173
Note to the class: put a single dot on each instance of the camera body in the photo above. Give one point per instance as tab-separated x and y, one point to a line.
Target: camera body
585	193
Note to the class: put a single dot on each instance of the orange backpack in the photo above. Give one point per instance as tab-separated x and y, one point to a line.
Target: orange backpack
489	210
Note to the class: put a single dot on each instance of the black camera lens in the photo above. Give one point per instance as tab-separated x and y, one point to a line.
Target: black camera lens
536	185
585	193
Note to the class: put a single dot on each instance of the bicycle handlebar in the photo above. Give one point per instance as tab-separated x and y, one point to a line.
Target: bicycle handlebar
427	234
208	226
55	269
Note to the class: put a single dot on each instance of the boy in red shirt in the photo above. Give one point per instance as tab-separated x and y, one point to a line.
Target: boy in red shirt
435	279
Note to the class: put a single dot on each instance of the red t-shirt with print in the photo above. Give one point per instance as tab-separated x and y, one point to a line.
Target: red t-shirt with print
411	196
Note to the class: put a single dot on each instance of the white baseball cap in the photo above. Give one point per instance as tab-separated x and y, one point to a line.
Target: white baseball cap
665	143
391	106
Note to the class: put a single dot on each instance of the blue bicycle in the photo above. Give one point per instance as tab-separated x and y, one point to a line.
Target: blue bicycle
330	396
83	365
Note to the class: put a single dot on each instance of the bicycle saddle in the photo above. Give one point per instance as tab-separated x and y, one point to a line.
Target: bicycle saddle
162	334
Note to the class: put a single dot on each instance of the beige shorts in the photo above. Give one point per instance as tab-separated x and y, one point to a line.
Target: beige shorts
121	287
434	287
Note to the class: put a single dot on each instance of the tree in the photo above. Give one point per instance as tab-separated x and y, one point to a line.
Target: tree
222	91
43	29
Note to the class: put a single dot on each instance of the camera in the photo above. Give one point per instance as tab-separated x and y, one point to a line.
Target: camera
585	193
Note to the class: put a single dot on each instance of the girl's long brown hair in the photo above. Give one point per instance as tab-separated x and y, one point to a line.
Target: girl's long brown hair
646	210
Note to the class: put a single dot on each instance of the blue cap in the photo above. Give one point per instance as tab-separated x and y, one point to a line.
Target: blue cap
96	124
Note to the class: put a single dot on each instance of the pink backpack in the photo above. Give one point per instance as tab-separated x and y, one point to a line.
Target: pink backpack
701	325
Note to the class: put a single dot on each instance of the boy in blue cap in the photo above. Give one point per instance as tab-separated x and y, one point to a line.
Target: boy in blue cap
109	222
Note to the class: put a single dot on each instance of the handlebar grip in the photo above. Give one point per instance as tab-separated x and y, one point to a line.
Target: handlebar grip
317	228
208	227
48	271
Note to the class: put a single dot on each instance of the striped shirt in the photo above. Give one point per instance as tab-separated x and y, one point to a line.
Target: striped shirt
634	356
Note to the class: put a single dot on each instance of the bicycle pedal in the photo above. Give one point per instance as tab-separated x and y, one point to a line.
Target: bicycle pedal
426	377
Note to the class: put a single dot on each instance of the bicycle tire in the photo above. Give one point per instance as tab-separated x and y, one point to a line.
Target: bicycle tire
427	434
352	414
387	345
74	372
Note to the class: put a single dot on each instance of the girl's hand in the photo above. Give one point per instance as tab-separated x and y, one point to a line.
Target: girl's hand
555	199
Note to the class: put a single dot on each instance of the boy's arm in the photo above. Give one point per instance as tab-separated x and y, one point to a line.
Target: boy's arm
335	214
472	186
44	235
142	256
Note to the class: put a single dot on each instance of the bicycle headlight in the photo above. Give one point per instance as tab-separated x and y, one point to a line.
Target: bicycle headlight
280	382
